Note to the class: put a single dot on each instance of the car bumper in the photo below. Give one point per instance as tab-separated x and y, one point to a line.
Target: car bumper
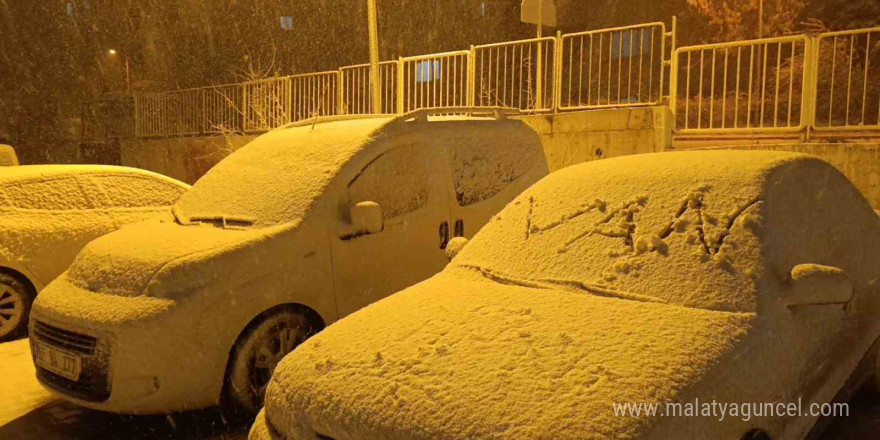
260	429
131	356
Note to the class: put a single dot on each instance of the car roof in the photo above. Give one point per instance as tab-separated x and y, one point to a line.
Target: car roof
289	168
31	172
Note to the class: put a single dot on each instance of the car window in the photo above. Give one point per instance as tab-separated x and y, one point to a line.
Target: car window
136	191
397	180
481	170
50	194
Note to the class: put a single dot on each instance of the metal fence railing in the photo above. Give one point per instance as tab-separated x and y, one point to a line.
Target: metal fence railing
848	80
617	67
222	107
176	113
313	94
355	94
436	80
267	104
747	87
517	74
772	86
112	118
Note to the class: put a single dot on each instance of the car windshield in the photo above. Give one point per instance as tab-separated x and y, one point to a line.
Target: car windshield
275	179
629	236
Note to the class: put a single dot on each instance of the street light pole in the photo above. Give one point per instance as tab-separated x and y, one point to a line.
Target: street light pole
760	18
375	91
127	75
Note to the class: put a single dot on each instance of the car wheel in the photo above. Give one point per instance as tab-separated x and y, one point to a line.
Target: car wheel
16	299
255	357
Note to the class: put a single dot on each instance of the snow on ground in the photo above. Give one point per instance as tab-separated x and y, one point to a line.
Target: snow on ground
29	412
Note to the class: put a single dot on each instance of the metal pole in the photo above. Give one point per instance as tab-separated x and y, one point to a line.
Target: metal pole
539	89
127	75
375	90
760	18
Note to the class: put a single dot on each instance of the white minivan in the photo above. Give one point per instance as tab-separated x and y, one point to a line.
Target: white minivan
303	226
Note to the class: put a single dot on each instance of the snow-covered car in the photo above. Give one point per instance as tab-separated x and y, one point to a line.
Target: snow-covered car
49	212
304	225
7	156
731	277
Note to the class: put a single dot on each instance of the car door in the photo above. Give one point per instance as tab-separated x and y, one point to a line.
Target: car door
486	176
410	183
56	220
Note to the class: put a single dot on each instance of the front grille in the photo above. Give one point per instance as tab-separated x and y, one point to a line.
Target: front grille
94	380
64	339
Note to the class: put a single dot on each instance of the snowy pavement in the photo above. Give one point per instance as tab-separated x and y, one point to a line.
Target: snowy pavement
28	412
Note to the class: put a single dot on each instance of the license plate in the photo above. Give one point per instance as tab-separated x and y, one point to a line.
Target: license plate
59	362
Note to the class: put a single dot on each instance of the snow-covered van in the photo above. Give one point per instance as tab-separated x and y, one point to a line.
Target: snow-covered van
49	212
306	224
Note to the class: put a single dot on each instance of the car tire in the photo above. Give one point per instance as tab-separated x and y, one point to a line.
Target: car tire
16	299
254	358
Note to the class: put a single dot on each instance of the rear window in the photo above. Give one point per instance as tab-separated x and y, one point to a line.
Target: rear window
136	192
482	170
55	194
686	240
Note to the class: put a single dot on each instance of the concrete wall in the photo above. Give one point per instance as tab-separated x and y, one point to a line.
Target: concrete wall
185	159
576	137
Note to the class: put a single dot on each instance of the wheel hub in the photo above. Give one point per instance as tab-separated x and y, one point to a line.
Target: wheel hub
269	352
11	308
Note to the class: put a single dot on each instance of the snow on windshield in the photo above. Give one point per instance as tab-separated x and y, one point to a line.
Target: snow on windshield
639	227
275	179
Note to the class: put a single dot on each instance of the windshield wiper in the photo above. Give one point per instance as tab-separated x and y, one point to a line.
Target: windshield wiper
178	217
550	283
226	221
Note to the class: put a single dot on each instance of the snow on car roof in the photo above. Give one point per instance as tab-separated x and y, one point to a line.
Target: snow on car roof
276	178
676	227
29	172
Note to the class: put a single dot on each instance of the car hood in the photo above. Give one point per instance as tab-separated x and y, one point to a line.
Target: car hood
452	359
125	262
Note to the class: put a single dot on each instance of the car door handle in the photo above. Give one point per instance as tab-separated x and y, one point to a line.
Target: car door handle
444	234
459	228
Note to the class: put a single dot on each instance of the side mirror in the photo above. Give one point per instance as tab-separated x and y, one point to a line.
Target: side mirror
455	246
366	217
814	284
